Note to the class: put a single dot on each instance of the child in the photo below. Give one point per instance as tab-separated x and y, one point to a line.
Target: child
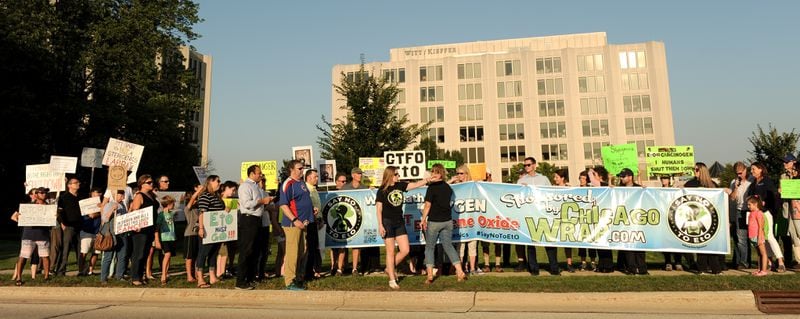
165	238
755	231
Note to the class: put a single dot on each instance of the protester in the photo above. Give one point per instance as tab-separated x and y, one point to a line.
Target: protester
598	176
634	261
391	225
34	238
71	222
706	263
561	178
437	222
756	228
356	174
190	236
209	200
111	211
532	178
315	246
252	200
738	216
672	260
165	241
766	190
142	239
790	219
339	255
227	250
163	186
298	211
462	176
583	180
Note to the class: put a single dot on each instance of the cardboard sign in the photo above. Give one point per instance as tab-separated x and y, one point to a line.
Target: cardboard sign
92	157
117	178
269	169
41	175
790	188
201	173
327	173
446	164
125	154
303	154
477	171
179	203
668	160
89	205
66	164
410	164
37	215
617	157
134	220
373	170
220	226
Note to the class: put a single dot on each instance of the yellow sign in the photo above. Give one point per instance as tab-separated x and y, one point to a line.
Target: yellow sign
268	168
477	171
373	170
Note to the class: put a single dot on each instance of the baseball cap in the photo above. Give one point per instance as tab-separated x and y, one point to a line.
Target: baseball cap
356	170
42	189
789	157
625	172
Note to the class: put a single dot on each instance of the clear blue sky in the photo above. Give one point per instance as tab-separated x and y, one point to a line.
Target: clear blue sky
732	64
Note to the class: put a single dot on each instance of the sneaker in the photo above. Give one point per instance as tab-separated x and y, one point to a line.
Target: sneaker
668	267
393	284
593	266
477	271
251	288
781	268
498	269
338	273
356	273
583	266
294	287
678	267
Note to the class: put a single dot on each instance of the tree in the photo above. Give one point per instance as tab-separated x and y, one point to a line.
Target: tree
543	168
371	125
770	148
727	175
433	152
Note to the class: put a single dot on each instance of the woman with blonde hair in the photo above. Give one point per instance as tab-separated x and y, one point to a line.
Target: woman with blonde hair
463	175
391	226
437	222
706	263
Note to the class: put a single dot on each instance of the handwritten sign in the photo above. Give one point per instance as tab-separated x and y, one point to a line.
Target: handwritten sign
89	205
66	164
668	160
37	215
617	157
269	169
125	154
41	175
201	173
116	178
790	188
92	157
134	220
446	164
220	226
373	170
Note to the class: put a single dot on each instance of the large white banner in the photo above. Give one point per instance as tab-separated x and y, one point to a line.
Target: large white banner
37	215
134	220
220	226
125	154
40	175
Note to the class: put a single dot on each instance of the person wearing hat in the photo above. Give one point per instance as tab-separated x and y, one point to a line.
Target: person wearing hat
355	183
631	261
790	217
34	239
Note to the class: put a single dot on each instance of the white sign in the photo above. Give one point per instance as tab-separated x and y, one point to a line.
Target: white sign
66	164
134	220
37	215
327	173
304	155
179	203
201	173
92	157
125	154
220	226
410	164
89	205
41	175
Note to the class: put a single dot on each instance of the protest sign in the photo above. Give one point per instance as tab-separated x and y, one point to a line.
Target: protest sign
410	164
201	173
134	220
92	157
179	198
327	173
40	175
66	164
790	188
446	164
372	168
304	155
89	205
630	218
477	171
125	154
669	160
37	215
117	178
220	226
269	169
617	157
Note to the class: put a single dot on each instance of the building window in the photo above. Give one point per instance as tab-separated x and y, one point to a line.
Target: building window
432	114
471	133
470	91
551	108
401	96
595	128
636	103
592	106
395	75
554	152
548	65
550	86
399	113
642	145
512	154
510	110
592	62
431	94
632	60
587	84
509	89
635	81
473	154
507	68
512	131
469	71
430	73
591	151
639	126
435	133
196	134
357	76
553	129
470	112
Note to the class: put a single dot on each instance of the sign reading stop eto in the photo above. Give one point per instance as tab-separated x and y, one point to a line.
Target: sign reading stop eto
410	164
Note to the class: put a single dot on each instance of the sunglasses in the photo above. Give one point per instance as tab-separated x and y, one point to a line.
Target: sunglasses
149	182
396	174
527	165
41	192
460	173
164	181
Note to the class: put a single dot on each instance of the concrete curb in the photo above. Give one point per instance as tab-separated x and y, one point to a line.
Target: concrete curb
710	302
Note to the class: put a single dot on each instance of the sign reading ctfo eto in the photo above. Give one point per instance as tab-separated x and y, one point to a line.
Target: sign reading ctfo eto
617	157
446	164
790	188
410	164
668	160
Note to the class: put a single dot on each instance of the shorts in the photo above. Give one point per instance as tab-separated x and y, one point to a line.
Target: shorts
393	229
87	243
192	246
168	247
41	246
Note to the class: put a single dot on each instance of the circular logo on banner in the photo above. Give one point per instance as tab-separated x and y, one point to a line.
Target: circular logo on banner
693	220
343	216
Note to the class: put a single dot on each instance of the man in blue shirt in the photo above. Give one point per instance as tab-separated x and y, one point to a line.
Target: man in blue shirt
295	204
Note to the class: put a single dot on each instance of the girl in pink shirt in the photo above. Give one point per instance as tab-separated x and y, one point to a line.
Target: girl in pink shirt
755	231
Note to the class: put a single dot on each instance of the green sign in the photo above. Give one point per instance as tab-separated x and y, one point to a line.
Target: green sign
790	188
446	164
668	160
617	157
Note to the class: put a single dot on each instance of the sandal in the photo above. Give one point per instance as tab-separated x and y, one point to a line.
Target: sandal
203	286
137	283
428	281
461	277
18	283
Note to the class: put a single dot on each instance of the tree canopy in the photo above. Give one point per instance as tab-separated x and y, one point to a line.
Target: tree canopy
771	146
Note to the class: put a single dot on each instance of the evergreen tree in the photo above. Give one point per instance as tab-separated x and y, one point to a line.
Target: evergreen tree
770	147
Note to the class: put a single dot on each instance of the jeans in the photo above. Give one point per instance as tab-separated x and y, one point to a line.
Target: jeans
124	247
741	251
533	264
441	231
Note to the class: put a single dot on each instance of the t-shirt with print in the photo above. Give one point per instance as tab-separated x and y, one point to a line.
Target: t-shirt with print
166	226
392	199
